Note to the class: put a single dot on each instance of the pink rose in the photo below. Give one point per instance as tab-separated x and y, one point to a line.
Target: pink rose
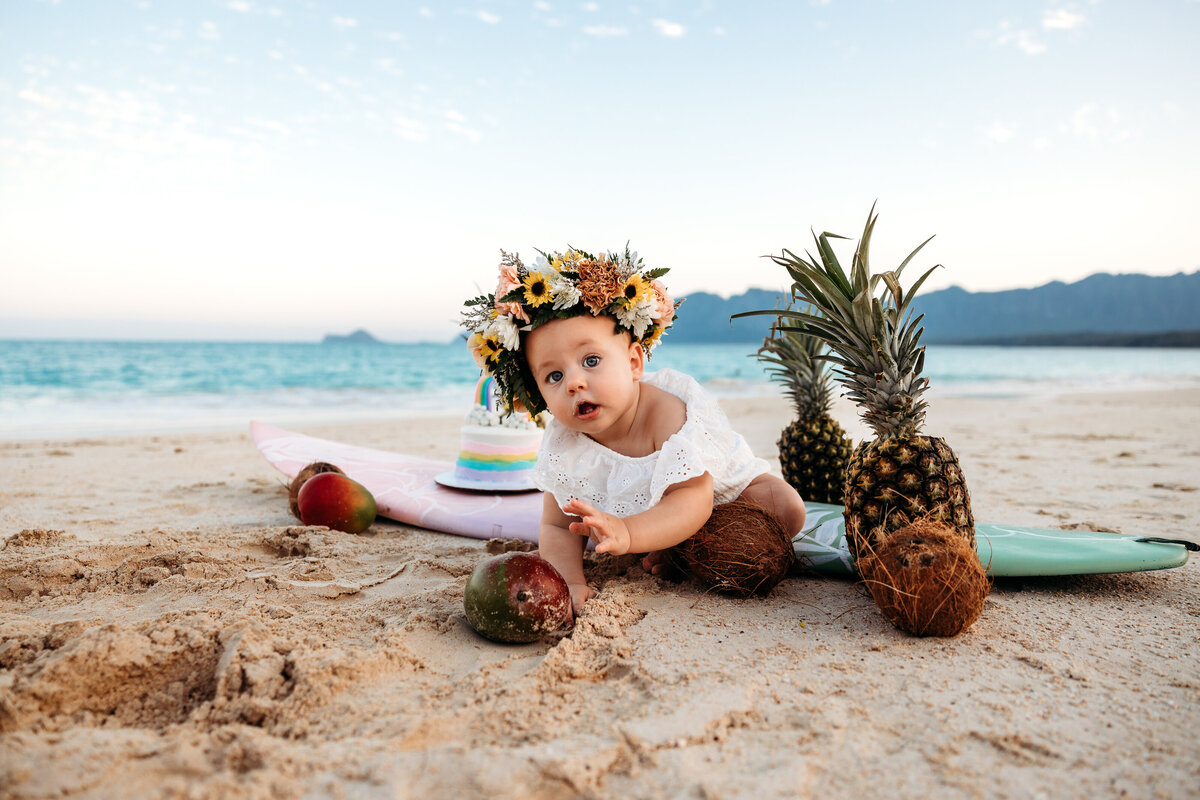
508	282
664	306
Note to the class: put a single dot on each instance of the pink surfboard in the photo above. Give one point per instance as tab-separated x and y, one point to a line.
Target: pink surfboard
405	490
404	486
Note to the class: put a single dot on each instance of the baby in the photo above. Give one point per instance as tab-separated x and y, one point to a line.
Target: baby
633	460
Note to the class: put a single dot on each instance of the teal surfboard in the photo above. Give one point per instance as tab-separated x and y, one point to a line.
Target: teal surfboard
406	490
1005	550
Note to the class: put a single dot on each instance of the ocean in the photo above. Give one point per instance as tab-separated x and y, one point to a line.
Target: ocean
54	389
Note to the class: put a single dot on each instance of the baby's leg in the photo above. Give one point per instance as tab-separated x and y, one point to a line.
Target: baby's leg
777	496
772	493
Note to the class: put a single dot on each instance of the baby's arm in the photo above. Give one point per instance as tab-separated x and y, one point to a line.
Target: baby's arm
563	549
684	508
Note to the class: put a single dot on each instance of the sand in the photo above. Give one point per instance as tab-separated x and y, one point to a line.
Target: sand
167	630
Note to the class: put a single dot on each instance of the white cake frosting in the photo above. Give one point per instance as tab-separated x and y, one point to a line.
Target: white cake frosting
496	450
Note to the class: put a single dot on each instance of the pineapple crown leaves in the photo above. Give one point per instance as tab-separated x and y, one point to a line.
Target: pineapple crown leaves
873	335
796	359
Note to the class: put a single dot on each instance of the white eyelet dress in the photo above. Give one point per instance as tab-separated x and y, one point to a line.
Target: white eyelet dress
571	465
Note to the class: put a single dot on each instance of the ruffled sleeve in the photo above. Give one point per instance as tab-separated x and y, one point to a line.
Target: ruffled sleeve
570	465
705	443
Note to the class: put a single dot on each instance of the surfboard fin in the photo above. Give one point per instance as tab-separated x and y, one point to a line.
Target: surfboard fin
1195	548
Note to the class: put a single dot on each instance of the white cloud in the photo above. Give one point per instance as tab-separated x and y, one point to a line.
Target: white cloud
1082	124
1001	132
1088	122
486	16
605	30
240	6
455	116
542	6
473	136
589	6
389	66
1041	143
272	126
672	30
209	31
1022	39
718	31
40	99
88	127
424	11
410	129
1061	19
345	23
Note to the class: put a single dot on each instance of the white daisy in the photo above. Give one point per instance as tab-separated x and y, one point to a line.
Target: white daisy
637	317
505	330
566	293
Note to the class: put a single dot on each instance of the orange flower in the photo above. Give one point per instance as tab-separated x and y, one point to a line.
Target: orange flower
599	283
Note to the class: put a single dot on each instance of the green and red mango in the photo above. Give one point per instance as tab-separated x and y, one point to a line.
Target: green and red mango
516	597
335	501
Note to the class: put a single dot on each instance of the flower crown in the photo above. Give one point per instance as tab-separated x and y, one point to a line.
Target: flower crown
558	286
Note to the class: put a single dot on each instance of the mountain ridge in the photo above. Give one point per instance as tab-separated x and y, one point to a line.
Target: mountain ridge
1099	306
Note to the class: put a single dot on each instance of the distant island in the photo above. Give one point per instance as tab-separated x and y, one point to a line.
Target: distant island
358	337
1102	310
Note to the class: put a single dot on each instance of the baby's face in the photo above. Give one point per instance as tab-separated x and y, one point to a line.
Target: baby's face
587	372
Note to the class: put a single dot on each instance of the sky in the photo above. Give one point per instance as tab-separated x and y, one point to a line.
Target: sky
280	169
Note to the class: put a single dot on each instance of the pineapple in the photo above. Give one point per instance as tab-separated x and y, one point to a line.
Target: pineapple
813	449
902	475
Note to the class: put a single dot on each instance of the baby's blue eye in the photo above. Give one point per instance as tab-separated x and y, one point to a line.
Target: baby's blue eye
591	361
554	377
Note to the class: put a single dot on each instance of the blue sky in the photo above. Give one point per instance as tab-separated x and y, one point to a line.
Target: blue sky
265	169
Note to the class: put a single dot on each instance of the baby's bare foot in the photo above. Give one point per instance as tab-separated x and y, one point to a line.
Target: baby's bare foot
654	562
660	564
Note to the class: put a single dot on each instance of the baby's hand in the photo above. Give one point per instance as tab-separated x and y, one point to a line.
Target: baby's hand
610	533
580	594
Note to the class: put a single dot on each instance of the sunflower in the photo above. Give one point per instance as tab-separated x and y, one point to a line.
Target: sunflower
653	334
567	259
537	289
636	288
488	347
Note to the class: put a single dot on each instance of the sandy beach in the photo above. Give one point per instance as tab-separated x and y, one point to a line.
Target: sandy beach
168	630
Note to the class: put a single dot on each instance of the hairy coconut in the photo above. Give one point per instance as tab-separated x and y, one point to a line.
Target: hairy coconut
925	578
741	550
315	468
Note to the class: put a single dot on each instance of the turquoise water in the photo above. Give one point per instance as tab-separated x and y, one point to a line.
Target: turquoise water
50	388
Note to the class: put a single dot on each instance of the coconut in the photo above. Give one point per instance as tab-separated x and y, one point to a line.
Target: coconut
925	578
741	550
315	468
